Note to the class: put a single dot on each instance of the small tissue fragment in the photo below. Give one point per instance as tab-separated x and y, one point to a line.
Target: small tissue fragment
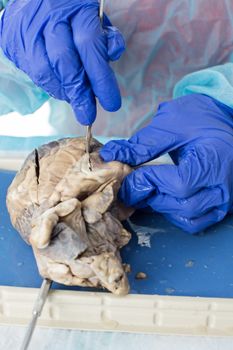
141	276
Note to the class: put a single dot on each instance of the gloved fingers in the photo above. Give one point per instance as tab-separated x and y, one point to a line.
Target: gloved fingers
41	73
67	66
164	134
91	42
170	130
198	224
179	181
192	207
147	144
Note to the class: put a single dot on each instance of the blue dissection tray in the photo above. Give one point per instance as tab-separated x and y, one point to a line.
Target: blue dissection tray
175	262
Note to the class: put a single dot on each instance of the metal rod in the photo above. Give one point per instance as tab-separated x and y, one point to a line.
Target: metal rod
88	143
36	312
88	139
101	11
88	133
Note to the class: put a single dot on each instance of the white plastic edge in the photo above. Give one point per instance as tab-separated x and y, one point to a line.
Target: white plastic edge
12	160
133	313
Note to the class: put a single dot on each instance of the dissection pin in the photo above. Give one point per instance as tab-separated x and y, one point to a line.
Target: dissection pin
88	143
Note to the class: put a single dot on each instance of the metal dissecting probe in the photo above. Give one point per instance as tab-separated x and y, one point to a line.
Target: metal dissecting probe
37	309
88	133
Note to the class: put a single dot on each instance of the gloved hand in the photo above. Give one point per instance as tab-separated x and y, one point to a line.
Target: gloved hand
62	46
197	191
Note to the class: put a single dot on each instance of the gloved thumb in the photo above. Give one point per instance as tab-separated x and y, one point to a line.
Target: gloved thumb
147	144
115	42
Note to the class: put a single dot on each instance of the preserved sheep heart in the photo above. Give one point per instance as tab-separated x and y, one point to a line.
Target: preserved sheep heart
71	216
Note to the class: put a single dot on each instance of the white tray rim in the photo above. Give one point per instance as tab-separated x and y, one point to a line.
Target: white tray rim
171	315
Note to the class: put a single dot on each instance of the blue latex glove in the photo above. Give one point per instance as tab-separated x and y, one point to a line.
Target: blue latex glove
62	46
197	191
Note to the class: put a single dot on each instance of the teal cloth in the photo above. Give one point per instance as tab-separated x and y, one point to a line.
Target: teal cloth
3	4
17	92
216	82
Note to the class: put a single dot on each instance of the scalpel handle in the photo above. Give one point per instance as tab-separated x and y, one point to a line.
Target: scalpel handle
36	312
